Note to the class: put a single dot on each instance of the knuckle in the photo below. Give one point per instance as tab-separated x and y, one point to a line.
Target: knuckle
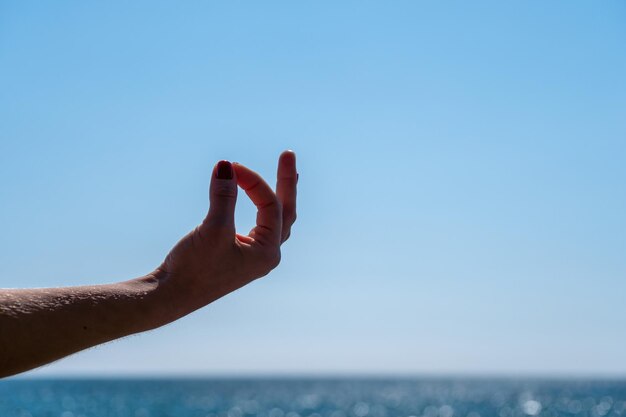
224	191
289	180
214	229
272	259
275	259
289	207
289	219
268	261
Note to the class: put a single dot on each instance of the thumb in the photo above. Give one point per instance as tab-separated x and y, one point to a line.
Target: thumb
222	196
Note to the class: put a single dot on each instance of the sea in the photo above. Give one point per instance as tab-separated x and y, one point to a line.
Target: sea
311	397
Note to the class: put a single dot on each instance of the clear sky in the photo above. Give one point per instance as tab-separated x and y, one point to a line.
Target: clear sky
462	202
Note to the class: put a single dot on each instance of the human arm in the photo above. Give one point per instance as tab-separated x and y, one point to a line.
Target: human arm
38	326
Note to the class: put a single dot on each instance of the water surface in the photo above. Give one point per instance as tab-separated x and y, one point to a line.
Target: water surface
311	398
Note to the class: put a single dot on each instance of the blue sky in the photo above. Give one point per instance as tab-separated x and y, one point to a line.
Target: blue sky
462	170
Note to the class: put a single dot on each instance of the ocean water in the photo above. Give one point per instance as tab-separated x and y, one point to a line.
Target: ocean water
311	398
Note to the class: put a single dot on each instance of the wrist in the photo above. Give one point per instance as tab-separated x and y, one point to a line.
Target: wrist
173	296
156	304
167	299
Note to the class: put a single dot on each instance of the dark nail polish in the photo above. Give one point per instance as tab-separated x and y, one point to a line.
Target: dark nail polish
224	170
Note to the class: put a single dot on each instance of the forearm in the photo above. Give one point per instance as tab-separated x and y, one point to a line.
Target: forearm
38	326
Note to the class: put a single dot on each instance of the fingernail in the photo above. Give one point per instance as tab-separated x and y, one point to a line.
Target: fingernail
224	170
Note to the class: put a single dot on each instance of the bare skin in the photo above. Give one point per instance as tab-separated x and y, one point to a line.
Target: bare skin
38	326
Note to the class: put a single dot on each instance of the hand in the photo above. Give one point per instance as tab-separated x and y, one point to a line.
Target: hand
213	260
44	324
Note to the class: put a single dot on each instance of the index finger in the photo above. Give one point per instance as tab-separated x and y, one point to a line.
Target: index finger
269	212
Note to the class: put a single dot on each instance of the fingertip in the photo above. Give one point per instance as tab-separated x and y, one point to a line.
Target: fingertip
288	156
287	163
224	170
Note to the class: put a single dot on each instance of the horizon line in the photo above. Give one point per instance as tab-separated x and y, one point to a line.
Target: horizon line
561	376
